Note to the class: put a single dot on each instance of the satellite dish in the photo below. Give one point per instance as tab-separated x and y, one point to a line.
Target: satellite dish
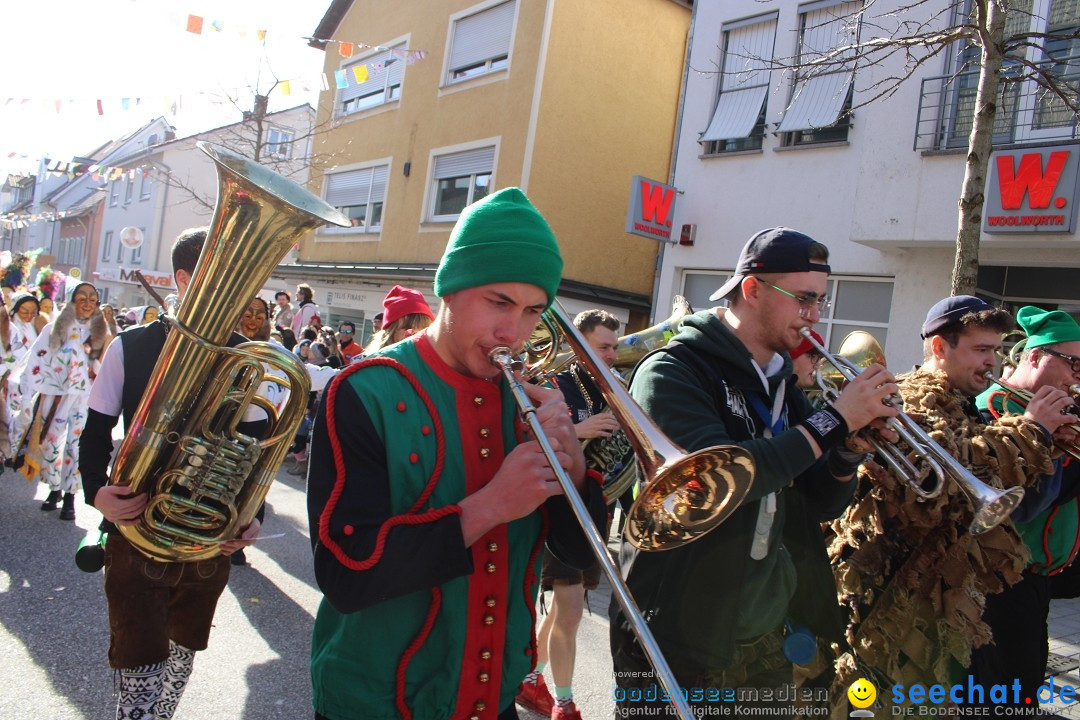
131	237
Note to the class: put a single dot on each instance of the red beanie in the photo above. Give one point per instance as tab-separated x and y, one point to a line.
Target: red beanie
402	301
805	346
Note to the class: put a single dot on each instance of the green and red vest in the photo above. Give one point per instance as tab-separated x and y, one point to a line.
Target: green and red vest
1052	536
460	649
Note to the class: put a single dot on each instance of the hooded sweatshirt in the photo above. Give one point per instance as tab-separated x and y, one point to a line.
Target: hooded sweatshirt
703	597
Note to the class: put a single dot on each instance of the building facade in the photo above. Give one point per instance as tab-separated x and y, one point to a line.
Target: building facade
879	185
434	106
172	186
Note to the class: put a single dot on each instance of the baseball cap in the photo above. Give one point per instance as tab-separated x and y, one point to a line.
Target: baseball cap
949	311
806	346
776	250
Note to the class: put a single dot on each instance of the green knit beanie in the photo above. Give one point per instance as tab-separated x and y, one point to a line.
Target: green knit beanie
501	238
1046	327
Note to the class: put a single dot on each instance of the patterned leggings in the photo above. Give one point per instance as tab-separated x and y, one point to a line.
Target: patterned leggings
152	692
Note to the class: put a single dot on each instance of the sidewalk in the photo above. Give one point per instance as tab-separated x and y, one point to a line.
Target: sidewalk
1064	625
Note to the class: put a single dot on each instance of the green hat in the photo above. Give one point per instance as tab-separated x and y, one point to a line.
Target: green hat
501	238
1046	327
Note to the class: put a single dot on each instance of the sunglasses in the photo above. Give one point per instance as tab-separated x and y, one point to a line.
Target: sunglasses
343	331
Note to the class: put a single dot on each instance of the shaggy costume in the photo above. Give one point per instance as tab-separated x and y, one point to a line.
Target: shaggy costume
913	576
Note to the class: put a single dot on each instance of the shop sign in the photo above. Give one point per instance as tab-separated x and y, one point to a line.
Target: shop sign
347	299
154	279
652	209
1032	190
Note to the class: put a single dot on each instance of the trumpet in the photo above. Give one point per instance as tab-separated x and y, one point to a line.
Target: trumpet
990	505
688	495
1022	397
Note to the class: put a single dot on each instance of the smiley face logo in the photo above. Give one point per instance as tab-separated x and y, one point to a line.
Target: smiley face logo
862	693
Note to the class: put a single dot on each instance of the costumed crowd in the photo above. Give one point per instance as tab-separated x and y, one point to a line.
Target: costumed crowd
436	522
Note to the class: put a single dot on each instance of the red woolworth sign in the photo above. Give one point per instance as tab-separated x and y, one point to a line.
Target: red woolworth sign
1032	190
652	209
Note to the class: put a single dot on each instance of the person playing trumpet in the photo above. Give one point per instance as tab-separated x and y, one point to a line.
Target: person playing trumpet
1047	520
718	606
911	571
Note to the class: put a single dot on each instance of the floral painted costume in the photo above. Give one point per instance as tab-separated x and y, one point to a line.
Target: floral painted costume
16	408
59	372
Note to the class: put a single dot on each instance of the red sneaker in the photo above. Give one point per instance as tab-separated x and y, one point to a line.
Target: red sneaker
535	696
565	712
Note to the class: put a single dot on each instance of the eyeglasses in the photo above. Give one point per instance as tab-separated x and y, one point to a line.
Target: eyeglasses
806	302
343	331
1074	362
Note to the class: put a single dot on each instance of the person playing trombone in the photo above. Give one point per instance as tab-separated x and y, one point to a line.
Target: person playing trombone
428	509
718	606
1047	520
915	561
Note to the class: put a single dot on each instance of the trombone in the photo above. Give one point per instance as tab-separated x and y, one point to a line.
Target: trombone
688	495
990	505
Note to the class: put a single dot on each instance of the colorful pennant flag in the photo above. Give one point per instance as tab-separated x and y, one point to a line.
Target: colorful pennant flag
194	24
360	73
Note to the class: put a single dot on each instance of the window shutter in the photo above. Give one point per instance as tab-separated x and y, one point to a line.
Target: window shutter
469	162
378	183
349	188
746	82
482	36
817	100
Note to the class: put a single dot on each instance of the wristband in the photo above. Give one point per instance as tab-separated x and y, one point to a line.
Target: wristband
827	427
842	462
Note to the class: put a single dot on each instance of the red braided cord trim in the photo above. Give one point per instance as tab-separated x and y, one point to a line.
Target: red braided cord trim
409	518
530	578
414	647
990	402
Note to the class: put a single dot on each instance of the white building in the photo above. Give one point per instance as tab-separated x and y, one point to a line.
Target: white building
878	187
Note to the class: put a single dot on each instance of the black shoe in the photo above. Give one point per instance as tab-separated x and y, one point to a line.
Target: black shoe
237	558
51	501
68	511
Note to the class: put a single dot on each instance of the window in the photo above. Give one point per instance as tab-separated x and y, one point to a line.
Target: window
359	194
278	143
738	122
144	188
481	42
820	107
114	194
372	81
858	303
136	255
461	179
106	246
129	188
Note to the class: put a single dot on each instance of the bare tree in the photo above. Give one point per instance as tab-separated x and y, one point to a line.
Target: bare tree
898	40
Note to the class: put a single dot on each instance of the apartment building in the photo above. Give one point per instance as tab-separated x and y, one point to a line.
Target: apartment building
438	104
880	184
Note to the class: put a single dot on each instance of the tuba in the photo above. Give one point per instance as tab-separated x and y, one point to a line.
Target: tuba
206	480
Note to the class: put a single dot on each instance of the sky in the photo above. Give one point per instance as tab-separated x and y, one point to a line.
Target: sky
80	51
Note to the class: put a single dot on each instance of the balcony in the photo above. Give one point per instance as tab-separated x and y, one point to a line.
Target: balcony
1027	112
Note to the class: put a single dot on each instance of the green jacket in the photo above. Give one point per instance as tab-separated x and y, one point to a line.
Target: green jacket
702	597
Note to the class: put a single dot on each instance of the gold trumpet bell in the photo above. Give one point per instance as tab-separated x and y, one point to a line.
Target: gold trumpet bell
861	350
690	497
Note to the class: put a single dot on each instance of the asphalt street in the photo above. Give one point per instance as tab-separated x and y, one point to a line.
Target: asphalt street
54	632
